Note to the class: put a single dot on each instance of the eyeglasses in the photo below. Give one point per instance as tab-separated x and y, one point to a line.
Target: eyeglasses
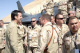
60	18
33	21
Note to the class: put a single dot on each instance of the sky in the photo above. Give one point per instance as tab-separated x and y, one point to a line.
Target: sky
7	6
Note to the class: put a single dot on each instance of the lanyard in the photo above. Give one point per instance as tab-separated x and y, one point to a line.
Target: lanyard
75	42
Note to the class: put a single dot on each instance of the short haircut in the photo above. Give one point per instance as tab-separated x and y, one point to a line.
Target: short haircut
46	16
70	18
2	21
57	16
14	13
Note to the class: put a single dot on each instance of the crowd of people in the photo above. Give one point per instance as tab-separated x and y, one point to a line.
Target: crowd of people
54	34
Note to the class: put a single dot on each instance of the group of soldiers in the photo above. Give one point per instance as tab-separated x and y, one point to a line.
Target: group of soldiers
51	35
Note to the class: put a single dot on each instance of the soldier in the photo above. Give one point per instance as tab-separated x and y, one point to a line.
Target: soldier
46	32
60	29
14	41
2	37
33	35
71	39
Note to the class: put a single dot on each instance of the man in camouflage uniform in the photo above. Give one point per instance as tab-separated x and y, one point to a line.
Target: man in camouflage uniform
2	37
71	39
14	40
60	29
46	32
33	36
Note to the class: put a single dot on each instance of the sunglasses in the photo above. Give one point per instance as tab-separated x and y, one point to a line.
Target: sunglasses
33	21
60	18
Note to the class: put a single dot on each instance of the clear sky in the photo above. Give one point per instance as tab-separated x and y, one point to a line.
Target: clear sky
7	6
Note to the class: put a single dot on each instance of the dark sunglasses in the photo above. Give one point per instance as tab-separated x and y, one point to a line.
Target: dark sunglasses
60	18
33	21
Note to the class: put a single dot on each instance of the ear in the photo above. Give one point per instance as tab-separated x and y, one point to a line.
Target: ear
15	17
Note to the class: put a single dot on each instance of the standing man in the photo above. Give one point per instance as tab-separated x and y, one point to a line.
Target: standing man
33	36
14	41
60	29
46	32
72	38
2	37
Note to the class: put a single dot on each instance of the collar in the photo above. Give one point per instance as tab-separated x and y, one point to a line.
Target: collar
48	23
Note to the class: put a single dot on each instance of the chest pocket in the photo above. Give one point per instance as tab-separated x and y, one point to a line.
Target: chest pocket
20	31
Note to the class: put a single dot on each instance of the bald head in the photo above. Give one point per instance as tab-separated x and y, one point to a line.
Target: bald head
72	13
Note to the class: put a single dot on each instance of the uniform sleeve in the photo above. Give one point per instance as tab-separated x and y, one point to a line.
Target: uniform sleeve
43	40
25	30
14	38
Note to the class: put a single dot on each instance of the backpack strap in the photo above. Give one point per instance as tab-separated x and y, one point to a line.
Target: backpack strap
51	37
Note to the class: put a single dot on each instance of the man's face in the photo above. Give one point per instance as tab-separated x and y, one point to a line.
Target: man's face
1	24
19	17
60	19
74	25
41	21
34	22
